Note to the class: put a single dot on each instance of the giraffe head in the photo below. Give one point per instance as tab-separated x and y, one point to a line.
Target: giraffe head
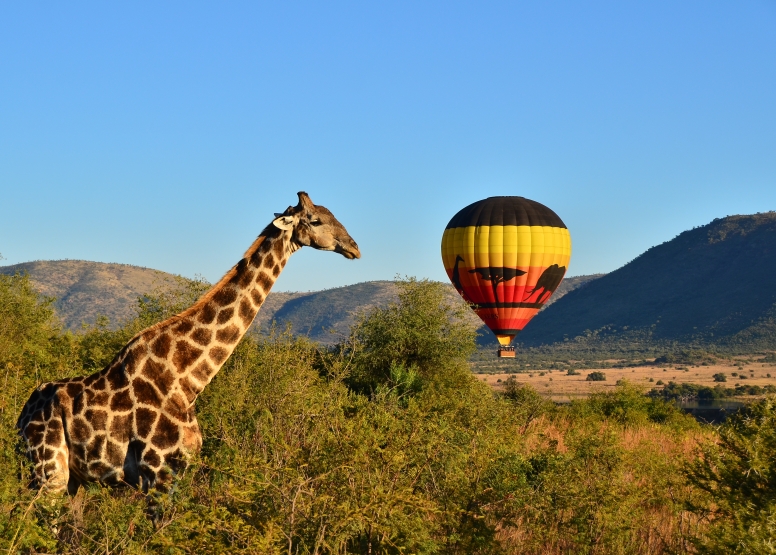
314	226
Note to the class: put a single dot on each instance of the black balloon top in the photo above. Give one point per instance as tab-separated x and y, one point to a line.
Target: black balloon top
505	211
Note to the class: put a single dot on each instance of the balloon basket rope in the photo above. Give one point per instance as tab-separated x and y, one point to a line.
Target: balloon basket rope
507	351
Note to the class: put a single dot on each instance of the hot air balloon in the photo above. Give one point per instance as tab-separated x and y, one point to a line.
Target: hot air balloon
506	256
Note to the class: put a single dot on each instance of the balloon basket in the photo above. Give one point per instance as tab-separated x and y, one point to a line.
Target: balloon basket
506	351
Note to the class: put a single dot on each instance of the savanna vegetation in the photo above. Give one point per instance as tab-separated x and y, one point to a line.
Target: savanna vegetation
386	443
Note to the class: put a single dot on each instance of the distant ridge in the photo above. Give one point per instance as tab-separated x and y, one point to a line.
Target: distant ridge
83	290
712	284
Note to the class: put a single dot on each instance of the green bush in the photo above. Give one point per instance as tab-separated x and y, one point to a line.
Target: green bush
720	377
596	377
739	473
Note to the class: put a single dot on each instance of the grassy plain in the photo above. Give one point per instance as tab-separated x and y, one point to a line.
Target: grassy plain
559	386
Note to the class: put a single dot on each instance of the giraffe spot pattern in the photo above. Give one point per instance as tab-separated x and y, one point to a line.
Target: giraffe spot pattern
245	278
247	312
146	393
117	378
152	458
97	418
121	401
225	315
225	296
161	347
228	335
207	314
80	430
184	327
203	371
121	427
218	354
94	449
202	336
74	389
257	297
54	436
114	417
264	281
189	389
166	434
144	420
176	407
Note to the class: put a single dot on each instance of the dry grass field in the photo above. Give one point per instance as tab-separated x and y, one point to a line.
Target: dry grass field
559	386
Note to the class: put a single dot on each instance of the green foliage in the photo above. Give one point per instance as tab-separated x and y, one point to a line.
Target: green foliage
596	377
719	377
676	391
385	445
739	474
627	405
425	330
26	321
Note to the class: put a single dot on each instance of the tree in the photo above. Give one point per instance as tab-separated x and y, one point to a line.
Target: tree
425	331
739	473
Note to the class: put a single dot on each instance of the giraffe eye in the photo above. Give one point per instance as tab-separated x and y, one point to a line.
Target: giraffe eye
315	222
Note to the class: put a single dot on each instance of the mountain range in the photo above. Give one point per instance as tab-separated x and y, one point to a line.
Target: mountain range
711	284
714	284
84	290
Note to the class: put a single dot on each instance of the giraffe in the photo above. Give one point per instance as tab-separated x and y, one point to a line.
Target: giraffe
134	421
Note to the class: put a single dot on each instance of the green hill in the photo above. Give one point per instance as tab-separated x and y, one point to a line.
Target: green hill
710	285
84	290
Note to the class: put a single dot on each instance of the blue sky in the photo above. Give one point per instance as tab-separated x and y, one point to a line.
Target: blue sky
167	135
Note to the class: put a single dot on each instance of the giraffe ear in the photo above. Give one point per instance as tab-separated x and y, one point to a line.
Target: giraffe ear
283	222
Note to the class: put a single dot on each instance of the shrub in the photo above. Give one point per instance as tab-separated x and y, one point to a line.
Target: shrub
720	377
738	473
572	372
425	329
596	377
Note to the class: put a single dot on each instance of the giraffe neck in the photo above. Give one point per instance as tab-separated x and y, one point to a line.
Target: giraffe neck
201	338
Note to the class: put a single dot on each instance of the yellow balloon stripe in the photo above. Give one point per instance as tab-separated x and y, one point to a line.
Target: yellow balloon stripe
507	246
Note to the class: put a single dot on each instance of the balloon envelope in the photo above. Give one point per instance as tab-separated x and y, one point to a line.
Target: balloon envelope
506	256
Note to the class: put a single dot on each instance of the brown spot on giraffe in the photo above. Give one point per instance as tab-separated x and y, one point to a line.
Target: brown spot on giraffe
230	334
202	336
161	347
207	313
121	427
97	418
152	458
121	401
184	327
146	393
225	315
226	296
189	389
264	281
257	297
126	421
203	371
247	312
218	355
144	421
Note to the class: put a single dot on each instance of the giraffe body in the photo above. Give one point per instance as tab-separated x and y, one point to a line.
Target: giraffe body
134	422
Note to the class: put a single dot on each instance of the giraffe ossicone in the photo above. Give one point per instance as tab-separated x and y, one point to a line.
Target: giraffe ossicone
134	421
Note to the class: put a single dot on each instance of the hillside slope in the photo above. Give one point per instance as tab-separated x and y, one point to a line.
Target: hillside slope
715	283
83	290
